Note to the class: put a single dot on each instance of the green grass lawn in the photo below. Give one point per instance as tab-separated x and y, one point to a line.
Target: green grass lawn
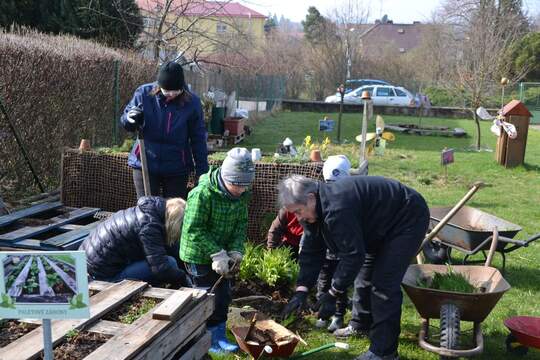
415	160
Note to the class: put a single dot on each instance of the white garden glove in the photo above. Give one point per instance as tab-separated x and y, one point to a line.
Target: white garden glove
135	116
220	262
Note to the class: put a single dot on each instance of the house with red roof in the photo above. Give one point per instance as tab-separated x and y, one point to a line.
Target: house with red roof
201	28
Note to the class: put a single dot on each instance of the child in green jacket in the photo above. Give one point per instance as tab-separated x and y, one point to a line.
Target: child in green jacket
214	231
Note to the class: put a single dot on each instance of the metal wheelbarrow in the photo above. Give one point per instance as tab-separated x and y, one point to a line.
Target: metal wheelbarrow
470	231
525	333
453	307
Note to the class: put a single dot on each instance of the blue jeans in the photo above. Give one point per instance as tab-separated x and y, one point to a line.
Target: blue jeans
140	270
204	277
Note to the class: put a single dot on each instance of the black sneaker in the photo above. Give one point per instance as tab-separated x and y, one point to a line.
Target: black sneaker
350	331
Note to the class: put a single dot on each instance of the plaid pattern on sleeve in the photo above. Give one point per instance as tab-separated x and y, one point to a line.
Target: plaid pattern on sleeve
212	222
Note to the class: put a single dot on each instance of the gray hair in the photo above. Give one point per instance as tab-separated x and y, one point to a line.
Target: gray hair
295	189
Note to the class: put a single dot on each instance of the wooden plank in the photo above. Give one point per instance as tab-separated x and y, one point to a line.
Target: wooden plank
44	288
101	327
81	232
30	345
17	215
167	345
67	279
97	285
144	330
158	293
153	292
31	244
199	349
17	286
70	227
57	221
107	327
172	306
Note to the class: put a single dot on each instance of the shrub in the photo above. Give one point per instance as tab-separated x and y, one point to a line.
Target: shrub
252	258
275	267
57	90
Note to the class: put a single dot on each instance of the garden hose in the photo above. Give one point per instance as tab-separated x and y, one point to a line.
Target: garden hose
339	345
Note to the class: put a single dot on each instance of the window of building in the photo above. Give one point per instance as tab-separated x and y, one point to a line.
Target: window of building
221	28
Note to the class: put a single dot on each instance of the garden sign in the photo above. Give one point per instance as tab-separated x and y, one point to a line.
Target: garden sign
43	285
326	125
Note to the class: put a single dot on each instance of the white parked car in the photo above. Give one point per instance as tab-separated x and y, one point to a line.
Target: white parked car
382	95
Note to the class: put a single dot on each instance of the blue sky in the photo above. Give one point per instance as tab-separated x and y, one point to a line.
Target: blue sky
400	11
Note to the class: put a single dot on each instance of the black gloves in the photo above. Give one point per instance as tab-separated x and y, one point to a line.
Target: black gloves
136	116
295	305
326	305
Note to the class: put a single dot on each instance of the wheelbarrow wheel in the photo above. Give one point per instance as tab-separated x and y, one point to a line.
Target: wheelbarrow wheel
436	253
450	330
514	347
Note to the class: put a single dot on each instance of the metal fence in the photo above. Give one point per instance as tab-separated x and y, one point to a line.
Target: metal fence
529	94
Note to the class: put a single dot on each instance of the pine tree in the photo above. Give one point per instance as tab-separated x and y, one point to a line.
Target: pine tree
313	25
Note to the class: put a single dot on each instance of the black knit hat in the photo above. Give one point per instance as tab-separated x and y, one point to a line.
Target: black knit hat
171	76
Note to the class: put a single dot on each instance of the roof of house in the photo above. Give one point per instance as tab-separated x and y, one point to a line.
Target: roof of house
402	37
203	8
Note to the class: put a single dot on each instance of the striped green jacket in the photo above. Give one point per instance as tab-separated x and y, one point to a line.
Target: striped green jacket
212	221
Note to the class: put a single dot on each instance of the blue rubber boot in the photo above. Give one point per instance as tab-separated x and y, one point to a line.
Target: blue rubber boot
224	344
214	346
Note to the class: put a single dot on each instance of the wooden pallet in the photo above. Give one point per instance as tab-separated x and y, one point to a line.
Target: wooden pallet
173	329
47	226
218	141
235	139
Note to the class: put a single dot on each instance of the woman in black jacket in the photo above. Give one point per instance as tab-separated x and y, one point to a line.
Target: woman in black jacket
140	243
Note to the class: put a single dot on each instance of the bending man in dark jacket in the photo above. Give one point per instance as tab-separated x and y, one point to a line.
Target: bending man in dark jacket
355	216
139	243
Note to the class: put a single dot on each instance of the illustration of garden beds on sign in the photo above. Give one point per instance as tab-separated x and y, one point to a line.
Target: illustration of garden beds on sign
40	279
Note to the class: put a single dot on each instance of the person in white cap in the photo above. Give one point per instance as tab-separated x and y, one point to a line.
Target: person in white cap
214	232
336	167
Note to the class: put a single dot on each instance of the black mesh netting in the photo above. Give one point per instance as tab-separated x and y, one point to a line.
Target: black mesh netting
105	181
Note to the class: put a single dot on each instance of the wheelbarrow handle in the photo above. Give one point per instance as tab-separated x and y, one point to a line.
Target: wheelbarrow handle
476	186
507	240
531	239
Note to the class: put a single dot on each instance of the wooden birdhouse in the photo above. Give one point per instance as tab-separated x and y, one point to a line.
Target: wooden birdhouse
511	152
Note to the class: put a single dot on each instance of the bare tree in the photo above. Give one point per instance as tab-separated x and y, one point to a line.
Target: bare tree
481	33
283	56
347	17
176	29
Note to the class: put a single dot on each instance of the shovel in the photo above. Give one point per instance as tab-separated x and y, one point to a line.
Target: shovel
476	186
144	163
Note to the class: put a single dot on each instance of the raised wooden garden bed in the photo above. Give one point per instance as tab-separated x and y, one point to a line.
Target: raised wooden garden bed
47	226
128	320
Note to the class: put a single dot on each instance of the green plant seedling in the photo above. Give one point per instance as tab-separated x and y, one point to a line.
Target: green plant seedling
136	312
72	334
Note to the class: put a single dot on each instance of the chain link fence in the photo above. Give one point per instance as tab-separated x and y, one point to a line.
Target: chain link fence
529	94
